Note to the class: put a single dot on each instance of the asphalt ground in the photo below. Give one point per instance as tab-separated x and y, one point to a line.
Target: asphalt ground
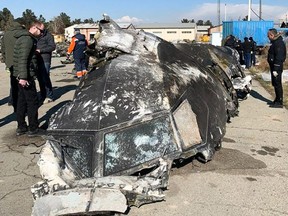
248	176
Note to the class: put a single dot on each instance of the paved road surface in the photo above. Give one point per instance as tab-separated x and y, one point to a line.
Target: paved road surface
248	176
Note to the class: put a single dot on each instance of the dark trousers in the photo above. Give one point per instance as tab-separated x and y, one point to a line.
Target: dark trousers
27	103
80	64
44	80
13	91
277	83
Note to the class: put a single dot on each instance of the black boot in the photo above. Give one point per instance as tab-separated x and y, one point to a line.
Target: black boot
277	104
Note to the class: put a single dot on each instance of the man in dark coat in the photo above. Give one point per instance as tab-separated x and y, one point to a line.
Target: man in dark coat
276	58
25	63
230	41
247	49
45	46
239	48
7	49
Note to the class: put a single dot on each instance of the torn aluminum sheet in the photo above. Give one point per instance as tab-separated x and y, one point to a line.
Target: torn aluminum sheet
61	193
221	60
144	107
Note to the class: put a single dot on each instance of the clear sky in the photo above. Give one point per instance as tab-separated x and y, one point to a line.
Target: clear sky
150	11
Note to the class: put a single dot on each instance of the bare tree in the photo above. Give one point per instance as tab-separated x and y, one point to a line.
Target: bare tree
57	25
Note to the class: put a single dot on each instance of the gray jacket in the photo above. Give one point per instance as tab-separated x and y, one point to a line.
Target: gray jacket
46	45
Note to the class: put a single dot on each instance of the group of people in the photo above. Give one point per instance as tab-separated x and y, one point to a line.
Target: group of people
246	49
27	54
276	58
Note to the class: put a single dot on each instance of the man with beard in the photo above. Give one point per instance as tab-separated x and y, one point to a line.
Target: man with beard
25	69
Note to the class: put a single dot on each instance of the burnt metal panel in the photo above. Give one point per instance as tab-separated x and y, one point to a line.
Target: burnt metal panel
138	144
133	89
83	112
78	149
187	125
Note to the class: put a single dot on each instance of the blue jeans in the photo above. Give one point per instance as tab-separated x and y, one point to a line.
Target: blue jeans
44	80
247	59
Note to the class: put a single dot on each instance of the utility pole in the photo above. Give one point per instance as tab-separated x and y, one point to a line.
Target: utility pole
225	16
260	9
218	11
249	10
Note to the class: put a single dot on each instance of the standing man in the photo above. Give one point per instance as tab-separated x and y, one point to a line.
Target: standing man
253	53
230	41
7	49
45	46
276	58
239	48
247	49
78	45
25	64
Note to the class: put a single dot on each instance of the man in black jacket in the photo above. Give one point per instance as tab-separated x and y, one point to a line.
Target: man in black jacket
25	64
7	49
276	58
45	46
247	49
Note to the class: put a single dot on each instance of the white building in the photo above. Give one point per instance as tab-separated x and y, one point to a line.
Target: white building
167	31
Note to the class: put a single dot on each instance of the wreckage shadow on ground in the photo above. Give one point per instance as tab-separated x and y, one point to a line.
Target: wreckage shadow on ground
57	66
258	96
223	161
59	91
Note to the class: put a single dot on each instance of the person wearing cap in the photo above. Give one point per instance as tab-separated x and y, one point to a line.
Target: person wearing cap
78	46
276	57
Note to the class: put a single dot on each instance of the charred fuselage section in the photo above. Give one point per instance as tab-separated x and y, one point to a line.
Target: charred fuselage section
147	105
224	63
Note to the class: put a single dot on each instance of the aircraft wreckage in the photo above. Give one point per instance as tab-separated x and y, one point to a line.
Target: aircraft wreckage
148	104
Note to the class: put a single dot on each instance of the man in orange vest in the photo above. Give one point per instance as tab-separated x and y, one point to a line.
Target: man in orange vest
78	46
